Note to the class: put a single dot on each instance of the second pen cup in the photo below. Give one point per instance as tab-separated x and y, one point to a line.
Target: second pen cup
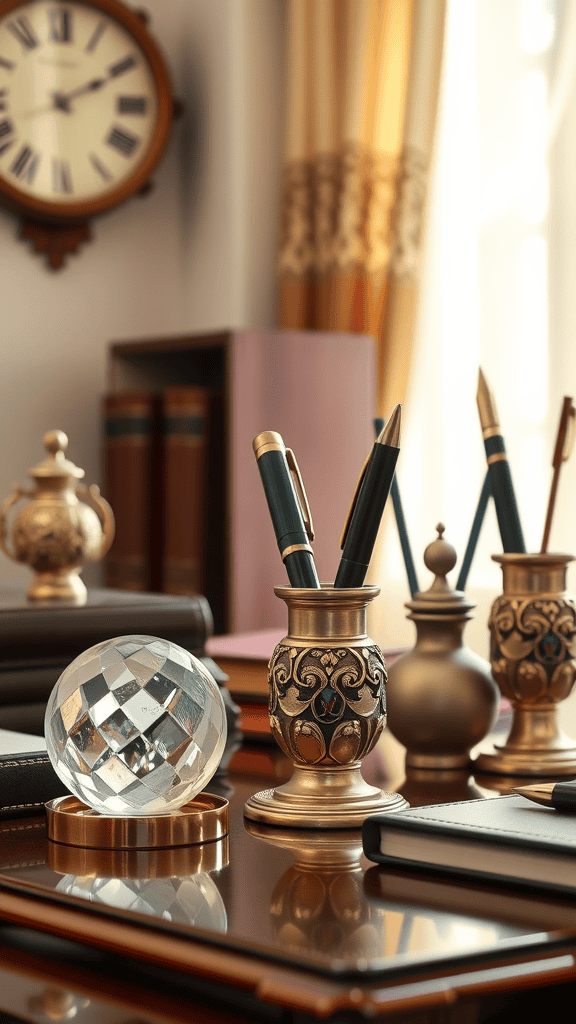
327	703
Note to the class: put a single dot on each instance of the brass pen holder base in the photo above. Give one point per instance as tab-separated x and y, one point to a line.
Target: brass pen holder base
327	709
535	747
322	798
533	657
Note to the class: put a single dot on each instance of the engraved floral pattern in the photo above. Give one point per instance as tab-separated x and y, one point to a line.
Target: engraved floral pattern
533	647
327	704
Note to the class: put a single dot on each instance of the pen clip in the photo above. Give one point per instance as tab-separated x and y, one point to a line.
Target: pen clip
301	492
354	501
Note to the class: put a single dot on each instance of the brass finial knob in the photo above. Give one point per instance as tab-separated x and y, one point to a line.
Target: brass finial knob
55	442
440	557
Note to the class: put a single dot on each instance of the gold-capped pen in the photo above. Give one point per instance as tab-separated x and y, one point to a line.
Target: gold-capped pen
288	506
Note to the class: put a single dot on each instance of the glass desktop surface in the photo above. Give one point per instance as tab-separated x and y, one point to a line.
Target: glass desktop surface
308	899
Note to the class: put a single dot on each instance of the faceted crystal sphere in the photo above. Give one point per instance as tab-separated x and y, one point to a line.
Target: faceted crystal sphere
135	726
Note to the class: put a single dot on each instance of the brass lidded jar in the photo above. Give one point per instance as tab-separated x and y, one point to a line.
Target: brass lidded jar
442	699
56	533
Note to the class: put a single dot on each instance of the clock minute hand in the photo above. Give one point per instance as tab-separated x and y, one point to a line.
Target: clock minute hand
61	100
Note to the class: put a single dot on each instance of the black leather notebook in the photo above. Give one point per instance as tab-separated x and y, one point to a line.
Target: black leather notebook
27	778
505	839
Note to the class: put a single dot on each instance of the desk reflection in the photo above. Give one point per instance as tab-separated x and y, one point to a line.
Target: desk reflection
173	885
320	906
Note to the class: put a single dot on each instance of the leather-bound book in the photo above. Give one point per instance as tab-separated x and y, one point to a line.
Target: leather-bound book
505	840
27	778
131	483
184	489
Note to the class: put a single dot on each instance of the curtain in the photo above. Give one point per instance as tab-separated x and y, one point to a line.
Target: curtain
361	91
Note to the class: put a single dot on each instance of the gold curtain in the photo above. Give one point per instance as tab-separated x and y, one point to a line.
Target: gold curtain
361	90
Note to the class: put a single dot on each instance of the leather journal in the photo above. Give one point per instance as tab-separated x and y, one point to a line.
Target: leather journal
505	839
27	778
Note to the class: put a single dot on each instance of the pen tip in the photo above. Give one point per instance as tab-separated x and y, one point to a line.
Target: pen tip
486	404
390	434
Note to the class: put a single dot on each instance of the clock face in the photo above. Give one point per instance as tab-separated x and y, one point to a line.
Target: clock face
78	102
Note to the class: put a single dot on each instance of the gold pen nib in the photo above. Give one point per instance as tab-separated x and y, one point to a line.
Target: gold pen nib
390	433
486	404
541	793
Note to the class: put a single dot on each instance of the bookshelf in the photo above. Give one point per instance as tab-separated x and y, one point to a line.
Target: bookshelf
317	388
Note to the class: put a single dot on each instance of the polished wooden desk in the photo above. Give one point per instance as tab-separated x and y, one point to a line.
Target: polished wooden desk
272	926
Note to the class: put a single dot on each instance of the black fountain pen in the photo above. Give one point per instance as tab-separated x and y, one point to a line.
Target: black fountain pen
499	470
288	507
559	795
363	521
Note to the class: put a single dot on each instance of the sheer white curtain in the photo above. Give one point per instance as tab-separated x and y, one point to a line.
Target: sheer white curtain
507	83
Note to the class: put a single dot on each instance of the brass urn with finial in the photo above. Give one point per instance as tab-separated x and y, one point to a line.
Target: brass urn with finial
56	532
442	699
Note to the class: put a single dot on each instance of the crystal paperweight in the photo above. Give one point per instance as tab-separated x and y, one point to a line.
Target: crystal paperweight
135	727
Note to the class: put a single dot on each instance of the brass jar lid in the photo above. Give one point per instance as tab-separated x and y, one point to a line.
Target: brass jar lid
56	464
75	824
440	557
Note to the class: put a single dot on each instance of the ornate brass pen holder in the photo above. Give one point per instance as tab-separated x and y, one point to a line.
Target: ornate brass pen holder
533	656
327	707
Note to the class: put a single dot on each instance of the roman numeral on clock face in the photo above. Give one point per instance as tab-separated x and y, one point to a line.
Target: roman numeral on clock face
95	37
60	25
121	66
8	64
61	177
131	104
123	142
26	164
6	135
22	30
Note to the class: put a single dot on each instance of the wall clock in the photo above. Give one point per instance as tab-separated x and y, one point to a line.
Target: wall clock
85	115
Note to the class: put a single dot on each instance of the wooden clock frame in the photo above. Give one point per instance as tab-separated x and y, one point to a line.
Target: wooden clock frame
57	229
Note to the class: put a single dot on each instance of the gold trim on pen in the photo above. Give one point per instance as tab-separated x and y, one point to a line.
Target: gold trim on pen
491	432
498	457
296	547
268	441
300	493
353	501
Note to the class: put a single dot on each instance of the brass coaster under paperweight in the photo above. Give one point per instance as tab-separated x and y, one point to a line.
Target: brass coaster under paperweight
135	728
533	655
327	706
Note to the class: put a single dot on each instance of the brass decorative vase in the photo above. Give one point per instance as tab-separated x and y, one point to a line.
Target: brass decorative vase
56	533
442	699
327	706
533	655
